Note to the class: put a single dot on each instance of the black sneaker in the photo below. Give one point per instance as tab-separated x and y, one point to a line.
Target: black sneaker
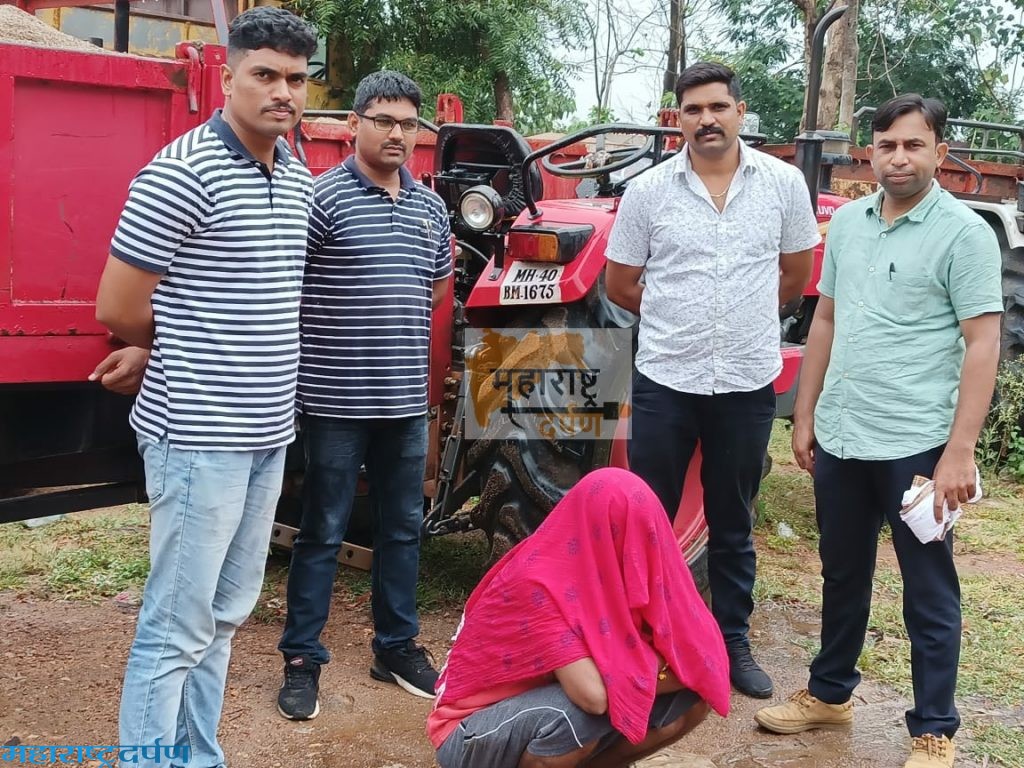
407	665
746	675
299	697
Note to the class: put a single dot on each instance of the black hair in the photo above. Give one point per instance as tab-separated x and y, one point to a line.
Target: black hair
934	112
704	72
386	85
269	27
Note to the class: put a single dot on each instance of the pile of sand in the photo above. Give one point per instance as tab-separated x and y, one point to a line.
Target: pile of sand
21	28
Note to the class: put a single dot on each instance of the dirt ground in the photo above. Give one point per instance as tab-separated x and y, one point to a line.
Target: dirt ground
62	664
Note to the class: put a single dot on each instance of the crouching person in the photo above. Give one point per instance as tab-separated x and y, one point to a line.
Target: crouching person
587	643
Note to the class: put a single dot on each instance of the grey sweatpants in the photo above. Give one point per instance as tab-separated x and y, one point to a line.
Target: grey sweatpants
543	722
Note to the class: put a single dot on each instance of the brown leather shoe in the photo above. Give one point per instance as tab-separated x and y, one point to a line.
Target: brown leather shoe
930	751
803	712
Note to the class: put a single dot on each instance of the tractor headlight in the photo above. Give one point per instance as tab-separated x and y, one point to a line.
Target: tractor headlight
481	207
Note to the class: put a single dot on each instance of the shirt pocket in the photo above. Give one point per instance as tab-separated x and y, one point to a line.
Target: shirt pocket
905	297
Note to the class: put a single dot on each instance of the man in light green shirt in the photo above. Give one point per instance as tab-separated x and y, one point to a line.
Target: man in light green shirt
896	382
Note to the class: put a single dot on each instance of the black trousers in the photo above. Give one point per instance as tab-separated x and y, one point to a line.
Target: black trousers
853	498
733	429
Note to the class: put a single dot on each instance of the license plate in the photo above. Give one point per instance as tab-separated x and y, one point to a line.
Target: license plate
532	282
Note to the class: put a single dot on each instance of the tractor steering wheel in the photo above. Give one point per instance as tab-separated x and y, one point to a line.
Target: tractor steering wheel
599	162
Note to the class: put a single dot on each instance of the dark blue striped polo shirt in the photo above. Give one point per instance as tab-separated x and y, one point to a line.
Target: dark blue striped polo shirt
366	296
228	238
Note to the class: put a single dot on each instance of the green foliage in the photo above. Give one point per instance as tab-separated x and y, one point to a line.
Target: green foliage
1001	743
1001	444
749	22
468	48
776	94
960	51
85	573
911	47
595	116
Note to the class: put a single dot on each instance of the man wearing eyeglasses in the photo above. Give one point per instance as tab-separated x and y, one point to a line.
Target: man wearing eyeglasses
379	261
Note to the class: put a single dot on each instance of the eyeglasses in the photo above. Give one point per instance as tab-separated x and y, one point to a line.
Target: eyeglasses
387	124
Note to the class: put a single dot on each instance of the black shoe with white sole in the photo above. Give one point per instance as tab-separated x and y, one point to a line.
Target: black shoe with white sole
408	666
299	697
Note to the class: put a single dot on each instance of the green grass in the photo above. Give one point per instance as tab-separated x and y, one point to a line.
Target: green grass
82	557
23	555
96	555
991	668
450	566
998	742
786	497
995	525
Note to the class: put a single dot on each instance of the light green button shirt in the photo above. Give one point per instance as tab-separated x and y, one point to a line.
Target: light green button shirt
900	293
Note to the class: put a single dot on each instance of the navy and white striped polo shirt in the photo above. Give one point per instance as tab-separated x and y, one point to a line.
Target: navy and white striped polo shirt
366	296
229	239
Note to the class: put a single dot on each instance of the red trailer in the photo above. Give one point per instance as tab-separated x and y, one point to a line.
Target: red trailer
77	127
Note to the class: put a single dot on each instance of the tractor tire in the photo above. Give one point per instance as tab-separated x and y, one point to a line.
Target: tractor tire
1011	341
522	480
1011	345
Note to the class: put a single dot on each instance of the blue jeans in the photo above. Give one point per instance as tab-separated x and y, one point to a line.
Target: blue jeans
395	454
211	514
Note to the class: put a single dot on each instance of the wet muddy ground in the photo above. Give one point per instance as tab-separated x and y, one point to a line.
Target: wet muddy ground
61	665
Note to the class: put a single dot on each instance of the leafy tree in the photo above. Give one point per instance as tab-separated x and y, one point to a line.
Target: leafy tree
775	92
618	38
497	55
595	116
958	51
962	51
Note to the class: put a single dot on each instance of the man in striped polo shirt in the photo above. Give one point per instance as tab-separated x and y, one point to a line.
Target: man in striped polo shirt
206	271
379	261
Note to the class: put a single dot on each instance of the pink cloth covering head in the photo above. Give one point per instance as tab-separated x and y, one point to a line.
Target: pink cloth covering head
601	577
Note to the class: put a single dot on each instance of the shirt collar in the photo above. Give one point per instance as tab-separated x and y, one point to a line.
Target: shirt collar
227	134
746	167
917	213
406	181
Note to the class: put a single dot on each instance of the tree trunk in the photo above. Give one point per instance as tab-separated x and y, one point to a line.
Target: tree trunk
809	10
682	40
847	101
673	64
839	79
341	68
503	97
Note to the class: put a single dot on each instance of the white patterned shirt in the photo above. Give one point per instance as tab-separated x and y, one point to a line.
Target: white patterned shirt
709	316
